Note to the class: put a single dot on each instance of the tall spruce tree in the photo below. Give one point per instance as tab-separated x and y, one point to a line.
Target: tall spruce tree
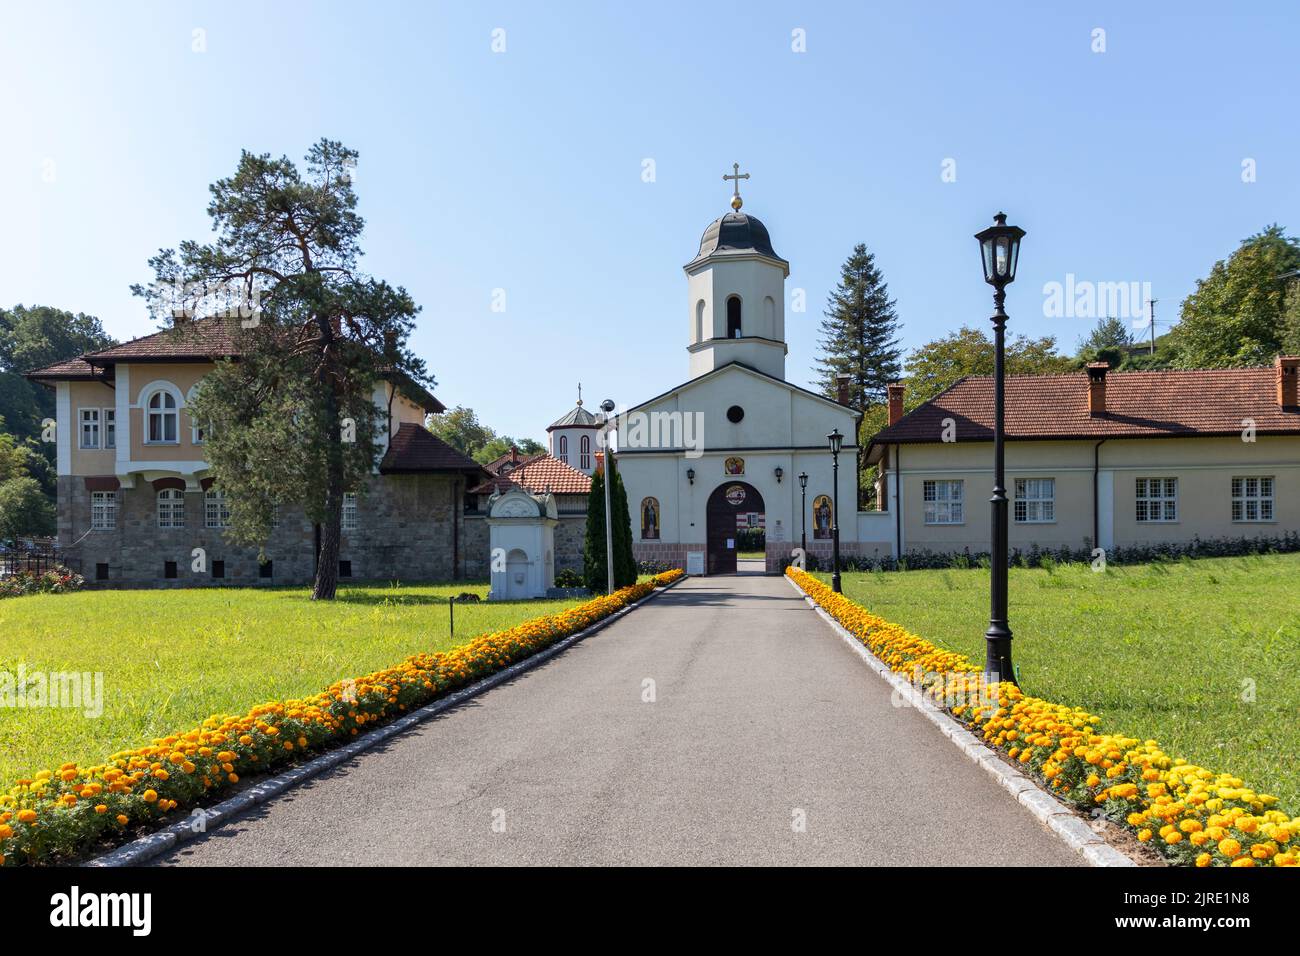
859	333
293	419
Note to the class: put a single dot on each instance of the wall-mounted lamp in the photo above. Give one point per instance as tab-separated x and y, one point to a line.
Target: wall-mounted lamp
690	475
779	472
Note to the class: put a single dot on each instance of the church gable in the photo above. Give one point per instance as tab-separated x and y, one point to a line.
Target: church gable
736	407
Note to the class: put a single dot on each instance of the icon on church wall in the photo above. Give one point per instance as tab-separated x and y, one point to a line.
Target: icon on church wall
649	519
736	495
822	516
733	466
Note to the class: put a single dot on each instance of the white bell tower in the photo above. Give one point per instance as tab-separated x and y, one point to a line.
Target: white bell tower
736	291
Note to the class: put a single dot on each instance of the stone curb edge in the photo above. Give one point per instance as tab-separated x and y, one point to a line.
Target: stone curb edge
155	844
1044	806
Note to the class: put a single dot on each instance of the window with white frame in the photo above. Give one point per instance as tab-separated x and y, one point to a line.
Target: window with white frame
349	511
103	510
1035	500
110	428
943	501
584	451
216	514
564	449
1252	499
171	508
162	417
1157	499
89	428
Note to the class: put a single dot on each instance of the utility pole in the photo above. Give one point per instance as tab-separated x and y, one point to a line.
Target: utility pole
1152	303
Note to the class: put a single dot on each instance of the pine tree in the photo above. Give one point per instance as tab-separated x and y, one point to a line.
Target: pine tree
859	333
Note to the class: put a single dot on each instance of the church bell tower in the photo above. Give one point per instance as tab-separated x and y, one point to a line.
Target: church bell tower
736	290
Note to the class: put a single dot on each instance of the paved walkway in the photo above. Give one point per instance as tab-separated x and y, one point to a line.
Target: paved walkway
761	716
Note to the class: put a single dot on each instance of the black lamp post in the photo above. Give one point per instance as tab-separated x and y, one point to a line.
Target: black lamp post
1000	251
803	513
837	441
607	408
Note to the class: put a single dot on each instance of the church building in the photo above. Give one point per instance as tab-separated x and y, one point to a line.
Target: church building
726	449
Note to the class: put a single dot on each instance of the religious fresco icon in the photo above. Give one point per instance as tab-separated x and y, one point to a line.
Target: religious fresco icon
822	516
733	466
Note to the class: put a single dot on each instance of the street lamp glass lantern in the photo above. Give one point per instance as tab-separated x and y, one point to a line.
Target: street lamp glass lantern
836	440
1000	251
803	479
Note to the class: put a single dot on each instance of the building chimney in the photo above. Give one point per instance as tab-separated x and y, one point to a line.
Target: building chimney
842	388
514	454
895	390
1288	368
1097	387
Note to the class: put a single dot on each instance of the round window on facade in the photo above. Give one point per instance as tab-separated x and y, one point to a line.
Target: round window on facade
734	414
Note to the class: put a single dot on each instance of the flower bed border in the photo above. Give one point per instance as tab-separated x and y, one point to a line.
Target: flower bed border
167	838
1142	786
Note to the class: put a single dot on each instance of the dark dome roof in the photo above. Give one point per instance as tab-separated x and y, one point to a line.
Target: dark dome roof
736	232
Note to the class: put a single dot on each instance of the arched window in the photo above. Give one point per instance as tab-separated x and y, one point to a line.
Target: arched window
162	424
733	317
769	317
699	321
649	519
584	452
216	514
564	449
171	508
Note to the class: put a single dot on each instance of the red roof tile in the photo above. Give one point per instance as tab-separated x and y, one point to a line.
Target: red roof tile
414	449
71	369
1146	404
202	339
538	474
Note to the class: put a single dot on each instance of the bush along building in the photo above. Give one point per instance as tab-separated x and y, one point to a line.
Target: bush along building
136	498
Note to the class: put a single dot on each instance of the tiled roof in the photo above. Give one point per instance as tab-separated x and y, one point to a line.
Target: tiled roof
538	474
200	340
414	449
1138	405
194	341
71	369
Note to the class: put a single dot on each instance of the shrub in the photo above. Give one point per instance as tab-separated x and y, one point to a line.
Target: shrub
54	581
568	578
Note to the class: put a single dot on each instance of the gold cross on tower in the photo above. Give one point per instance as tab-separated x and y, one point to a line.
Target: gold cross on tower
737	175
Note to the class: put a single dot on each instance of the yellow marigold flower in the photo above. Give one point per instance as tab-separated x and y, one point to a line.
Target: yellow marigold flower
101	808
1229	847
1263	851
67	775
6	831
150	796
123	819
1243	861
1204	859
1144	835
1173	837
1190	826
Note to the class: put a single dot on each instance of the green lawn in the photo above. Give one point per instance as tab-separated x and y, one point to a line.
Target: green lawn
171	658
1166	650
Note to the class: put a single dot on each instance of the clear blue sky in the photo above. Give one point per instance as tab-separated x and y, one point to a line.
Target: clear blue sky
522	170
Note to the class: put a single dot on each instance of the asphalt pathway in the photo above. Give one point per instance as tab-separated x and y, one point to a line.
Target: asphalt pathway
720	723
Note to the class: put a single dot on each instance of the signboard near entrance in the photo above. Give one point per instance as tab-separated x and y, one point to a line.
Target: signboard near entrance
694	562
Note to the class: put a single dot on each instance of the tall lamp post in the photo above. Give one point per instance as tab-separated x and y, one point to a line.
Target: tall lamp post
803	513
607	406
1000	252
836	441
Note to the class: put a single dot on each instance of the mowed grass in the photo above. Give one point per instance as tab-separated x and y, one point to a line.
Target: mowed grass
171	658
1173	651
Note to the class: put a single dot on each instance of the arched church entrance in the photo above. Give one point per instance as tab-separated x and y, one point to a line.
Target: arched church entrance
732	506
